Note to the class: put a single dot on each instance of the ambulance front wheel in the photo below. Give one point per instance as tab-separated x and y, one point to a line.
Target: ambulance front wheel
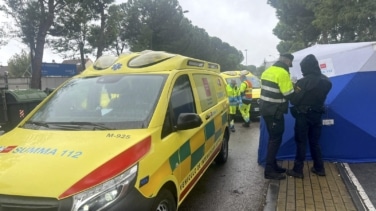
223	154
164	201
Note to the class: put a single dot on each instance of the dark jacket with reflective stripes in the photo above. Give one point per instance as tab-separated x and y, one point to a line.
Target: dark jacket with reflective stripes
276	89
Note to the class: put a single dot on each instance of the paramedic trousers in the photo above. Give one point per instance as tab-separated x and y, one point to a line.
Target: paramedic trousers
244	110
275	128
232	112
308	127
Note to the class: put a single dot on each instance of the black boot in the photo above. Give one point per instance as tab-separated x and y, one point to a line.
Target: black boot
279	169
320	173
246	124
274	176
295	174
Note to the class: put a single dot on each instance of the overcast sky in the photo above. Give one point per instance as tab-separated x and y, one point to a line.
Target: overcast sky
243	24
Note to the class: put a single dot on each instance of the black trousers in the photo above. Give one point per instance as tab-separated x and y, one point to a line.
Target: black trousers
308	127
275	128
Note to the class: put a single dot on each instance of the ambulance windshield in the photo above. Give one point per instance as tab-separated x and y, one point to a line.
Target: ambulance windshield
101	103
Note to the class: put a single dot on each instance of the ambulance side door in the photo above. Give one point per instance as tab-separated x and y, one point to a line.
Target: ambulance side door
182	159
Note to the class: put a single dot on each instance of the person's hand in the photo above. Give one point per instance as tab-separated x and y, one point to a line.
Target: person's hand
294	79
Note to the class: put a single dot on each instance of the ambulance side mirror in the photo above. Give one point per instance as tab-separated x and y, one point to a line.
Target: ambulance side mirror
188	121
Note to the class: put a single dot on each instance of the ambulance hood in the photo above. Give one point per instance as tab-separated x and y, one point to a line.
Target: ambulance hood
48	163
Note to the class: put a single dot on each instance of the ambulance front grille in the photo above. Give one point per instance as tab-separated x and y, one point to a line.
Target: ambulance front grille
20	203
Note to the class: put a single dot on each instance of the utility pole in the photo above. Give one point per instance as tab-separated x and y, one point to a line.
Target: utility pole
245	57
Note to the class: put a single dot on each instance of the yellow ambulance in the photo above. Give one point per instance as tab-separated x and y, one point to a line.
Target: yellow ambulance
256	89
134	132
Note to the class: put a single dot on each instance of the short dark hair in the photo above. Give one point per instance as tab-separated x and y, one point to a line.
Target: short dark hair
286	58
288	55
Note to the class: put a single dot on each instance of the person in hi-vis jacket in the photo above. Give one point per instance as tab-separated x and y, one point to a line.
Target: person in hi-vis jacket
246	96
234	100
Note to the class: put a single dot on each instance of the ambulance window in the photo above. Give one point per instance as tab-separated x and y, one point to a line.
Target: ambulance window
205	86
182	97
255	81
237	79
167	124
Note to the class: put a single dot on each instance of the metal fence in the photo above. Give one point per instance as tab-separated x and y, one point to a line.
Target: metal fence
24	83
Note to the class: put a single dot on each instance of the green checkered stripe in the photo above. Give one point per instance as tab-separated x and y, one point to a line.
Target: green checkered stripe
185	150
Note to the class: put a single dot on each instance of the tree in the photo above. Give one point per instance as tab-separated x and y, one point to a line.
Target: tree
153	25
136	24
98	38
345	21
250	68
34	19
2	37
303	23
259	70
19	65
116	16
161	25
295	28
72	29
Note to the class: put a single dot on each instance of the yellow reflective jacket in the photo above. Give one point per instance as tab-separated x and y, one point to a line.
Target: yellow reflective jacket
233	95
276	89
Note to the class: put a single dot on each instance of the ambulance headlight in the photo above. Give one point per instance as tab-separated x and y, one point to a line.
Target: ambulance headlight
105	194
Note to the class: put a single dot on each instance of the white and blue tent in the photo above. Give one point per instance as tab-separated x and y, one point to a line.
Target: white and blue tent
350	131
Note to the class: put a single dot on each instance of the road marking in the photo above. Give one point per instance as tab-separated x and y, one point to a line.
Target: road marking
366	202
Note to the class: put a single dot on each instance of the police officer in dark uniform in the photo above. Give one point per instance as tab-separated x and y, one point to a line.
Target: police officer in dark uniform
309	97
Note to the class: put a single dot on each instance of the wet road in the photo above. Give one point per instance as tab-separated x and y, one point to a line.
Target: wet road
237	185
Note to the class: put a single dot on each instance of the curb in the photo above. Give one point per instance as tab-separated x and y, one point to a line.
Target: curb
351	188
272	196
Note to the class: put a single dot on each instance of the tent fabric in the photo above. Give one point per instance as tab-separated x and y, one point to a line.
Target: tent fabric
351	104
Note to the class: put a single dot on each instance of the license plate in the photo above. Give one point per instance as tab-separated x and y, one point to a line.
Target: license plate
257	109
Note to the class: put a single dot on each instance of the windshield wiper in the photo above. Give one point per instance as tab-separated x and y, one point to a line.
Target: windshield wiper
43	124
77	125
